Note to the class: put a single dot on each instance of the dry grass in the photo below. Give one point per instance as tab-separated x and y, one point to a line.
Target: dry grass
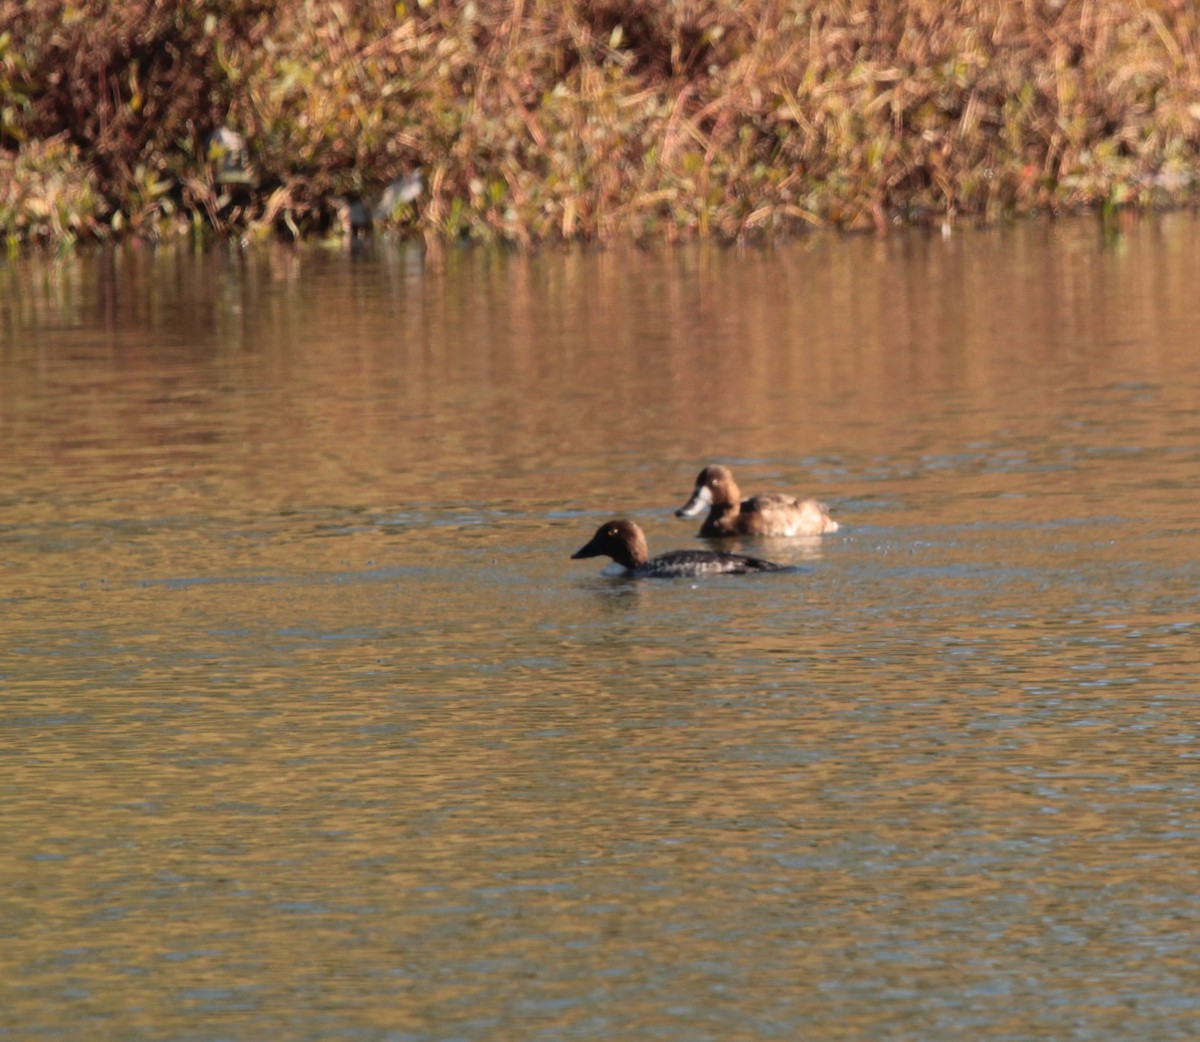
593	119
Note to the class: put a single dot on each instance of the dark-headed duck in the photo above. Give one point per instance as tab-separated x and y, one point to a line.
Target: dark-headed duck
624	542
769	514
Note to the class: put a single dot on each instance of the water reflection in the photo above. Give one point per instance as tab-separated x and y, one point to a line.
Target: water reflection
314	729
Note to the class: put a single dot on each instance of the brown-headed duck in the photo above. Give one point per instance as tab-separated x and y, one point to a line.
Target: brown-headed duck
624	542
771	513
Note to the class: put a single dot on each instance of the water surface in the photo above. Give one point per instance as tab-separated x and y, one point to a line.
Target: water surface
312	730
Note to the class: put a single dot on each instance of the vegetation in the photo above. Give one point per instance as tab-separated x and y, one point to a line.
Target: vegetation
540	119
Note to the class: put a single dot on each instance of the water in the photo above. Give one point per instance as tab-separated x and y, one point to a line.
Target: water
311	729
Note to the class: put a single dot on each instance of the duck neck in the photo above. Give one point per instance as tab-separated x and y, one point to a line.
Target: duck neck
634	553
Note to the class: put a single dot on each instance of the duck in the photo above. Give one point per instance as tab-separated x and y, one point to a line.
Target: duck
769	514
624	541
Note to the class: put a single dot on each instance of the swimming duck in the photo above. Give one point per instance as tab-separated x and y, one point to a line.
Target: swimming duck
769	514
625	543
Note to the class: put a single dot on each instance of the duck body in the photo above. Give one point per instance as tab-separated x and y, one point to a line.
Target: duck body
624	542
769	514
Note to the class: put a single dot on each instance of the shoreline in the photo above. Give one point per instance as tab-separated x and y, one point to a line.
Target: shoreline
593	121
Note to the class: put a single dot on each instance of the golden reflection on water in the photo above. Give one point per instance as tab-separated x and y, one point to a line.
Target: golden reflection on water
408	383
314	729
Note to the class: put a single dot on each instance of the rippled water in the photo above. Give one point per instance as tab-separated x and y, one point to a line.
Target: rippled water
312	730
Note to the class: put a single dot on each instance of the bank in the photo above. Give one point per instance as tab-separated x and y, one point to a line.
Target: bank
594	119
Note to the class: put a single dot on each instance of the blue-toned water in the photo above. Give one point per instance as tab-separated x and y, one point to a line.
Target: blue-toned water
311	729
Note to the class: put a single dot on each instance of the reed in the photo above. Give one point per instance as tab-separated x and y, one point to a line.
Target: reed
588	119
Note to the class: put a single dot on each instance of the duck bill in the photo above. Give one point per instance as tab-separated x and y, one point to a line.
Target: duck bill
590	549
701	499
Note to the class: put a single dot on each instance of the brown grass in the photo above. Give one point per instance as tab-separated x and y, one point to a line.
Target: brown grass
593	119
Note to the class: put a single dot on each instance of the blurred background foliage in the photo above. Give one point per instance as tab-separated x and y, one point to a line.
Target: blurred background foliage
533	120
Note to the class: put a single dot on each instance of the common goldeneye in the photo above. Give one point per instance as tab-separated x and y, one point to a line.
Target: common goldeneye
769	514
624	542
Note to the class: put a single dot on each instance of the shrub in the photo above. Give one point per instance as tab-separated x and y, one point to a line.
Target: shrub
596	118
